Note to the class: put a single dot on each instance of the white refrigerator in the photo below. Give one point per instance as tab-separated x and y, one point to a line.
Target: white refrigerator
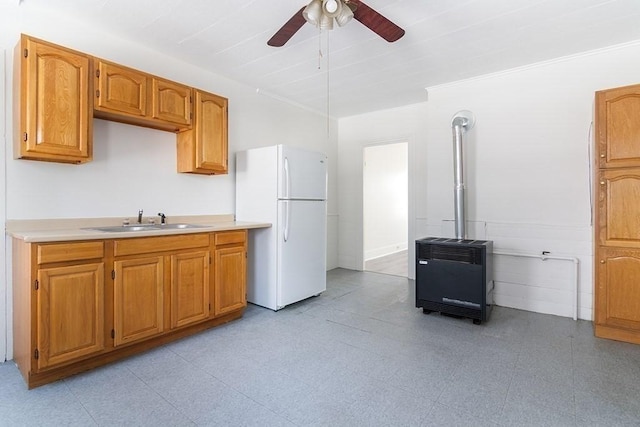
287	187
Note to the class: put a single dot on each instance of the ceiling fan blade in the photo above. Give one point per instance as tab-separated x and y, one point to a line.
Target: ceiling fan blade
376	22
288	29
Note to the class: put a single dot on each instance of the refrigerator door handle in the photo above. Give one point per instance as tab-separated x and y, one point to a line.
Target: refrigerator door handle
287	212
287	179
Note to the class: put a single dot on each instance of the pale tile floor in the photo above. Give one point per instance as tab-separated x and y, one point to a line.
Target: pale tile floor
360	354
395	264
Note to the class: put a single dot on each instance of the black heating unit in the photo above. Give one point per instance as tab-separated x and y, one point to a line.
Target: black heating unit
455	277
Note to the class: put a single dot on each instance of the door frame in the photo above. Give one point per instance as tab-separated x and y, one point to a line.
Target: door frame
411	216
5	322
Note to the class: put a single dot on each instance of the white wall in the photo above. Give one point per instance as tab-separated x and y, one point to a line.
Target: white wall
406	124
135	168
385	201
528	174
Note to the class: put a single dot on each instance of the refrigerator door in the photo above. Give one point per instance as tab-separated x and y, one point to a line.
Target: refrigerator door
301	244
302	174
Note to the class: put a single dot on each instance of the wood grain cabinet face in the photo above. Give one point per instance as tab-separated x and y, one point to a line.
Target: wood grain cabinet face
77	305
53	103
230	268
619	208
617	215
138	299
171	102
204	148
70	312
189	288
618	127
120	89
618	290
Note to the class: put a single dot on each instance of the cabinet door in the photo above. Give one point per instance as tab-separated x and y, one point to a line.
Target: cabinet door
203	149
618	127
120	89
171	102
618	289
230	279
211	138
55	114
619	208
70	311
189	288
138	299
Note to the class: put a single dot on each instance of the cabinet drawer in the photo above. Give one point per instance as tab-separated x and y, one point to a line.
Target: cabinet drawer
59	252
231	237
159	244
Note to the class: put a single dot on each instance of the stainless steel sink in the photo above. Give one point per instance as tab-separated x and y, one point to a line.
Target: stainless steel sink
143	227
178	226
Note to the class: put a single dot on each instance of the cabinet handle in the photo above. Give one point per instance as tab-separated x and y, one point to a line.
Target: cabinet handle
601	261
602	182
602	156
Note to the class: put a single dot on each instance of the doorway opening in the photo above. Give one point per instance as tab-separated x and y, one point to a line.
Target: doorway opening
386	208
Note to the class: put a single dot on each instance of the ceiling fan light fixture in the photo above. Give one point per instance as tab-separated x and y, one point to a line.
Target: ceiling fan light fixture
326	22
346	15
313	12
331	8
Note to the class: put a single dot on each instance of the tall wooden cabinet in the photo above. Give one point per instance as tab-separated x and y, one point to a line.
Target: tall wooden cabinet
52	107
617	214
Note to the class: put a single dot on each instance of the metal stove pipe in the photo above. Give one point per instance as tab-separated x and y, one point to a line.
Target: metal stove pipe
462	122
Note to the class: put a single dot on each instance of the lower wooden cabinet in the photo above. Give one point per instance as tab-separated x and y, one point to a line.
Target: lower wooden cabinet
70	313
230	271
189	288
79	305
617	314
230	279
138	299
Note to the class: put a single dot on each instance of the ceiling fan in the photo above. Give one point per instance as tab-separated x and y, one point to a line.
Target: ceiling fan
322	13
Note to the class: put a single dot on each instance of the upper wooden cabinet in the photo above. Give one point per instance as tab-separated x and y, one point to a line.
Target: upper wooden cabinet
171	102
130	96
52	107
617	127
203	148
119	90
60	90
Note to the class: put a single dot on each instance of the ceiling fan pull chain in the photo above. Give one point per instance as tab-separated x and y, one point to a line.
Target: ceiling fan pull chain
319	47
328	91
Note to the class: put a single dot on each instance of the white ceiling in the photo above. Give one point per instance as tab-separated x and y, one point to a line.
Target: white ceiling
445	40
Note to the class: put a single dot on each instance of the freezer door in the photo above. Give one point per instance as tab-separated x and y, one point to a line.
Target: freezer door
302	174
302	233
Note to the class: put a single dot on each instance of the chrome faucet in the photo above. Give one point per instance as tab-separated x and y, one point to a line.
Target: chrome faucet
140	216
163	218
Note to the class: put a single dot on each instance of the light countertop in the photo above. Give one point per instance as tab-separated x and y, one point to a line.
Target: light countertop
69	229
